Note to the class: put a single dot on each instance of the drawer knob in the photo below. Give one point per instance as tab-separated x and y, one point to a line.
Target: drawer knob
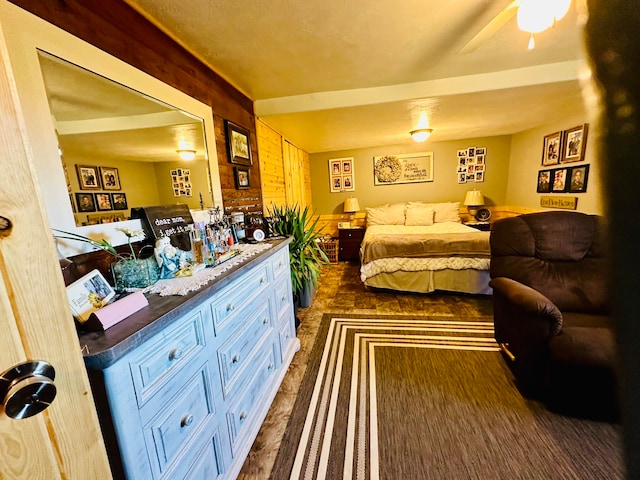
186	421
280	263
243	415
284	299
265	320
230	307
175	354
270	366
261	280
234	359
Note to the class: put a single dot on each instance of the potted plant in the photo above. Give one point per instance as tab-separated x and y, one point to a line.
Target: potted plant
305	255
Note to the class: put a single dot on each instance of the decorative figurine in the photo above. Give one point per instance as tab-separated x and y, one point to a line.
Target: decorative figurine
172	261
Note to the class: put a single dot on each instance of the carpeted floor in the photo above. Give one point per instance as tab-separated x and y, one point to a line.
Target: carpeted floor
409	396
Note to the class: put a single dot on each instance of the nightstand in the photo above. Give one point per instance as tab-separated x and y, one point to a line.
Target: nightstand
484	226
349	240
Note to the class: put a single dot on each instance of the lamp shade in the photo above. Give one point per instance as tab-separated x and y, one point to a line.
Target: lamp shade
351	205
474	198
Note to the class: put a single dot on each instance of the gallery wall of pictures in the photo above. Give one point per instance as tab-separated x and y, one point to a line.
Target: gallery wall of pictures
561	148
181	182
341	177
472	164
92	177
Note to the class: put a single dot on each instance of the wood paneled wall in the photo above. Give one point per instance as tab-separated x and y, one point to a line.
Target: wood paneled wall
272	172
118	29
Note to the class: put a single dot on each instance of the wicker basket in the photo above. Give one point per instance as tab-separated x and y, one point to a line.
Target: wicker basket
330	248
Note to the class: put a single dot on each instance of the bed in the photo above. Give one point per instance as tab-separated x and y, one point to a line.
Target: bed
423	247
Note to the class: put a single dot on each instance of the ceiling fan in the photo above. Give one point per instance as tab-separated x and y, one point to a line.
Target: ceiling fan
533	16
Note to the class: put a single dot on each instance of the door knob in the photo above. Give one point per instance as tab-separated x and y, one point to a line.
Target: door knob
27	389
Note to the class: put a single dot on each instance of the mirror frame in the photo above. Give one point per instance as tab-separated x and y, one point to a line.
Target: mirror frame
25	34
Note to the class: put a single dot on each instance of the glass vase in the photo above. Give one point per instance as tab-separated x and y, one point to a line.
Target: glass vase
135	273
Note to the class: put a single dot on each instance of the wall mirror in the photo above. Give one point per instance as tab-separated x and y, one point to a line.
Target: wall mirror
120	148
111	120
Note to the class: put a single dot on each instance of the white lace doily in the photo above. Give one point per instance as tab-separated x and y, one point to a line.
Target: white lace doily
184	285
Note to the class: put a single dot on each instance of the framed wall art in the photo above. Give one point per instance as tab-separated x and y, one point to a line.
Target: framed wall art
110	178
85	202
238	144
544	181
103	201
559	180
119	201
341	177
409	168
575	143
552	149
242	177
578	179
88	177
471	164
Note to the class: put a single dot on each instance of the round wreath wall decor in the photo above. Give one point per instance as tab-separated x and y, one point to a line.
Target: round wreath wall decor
387	169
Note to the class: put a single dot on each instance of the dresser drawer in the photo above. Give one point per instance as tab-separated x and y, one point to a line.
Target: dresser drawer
280	263
287	334
167	352
241	414
283	296
179	420
233	300
237	351
208	465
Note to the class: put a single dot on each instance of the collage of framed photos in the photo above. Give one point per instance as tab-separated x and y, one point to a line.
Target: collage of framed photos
341	176
472	163
92	177
560	148
181	182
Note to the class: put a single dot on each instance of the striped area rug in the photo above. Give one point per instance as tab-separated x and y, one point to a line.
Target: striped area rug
429	397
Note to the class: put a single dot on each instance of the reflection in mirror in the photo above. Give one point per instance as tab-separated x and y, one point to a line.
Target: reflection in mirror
119	148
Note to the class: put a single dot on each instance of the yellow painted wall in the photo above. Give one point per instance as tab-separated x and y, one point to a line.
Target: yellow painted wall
445	186
526	161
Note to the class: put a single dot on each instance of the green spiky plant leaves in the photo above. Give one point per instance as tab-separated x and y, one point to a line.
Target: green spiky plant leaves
305	255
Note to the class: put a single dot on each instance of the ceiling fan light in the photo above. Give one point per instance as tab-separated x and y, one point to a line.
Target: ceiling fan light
535	16
560	7
186	154
421	134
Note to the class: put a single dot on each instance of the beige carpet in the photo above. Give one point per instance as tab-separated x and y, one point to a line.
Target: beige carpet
418	397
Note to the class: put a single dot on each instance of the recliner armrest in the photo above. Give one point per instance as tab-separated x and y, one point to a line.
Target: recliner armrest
529	301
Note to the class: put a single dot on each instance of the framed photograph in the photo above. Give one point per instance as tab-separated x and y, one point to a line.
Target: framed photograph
336	184
103	201
88	294
544	181
552	149
242	177
348	183
578	179
341	175
335	167
85	202
559	180
575	143
88	177
110	178
119	201
238	144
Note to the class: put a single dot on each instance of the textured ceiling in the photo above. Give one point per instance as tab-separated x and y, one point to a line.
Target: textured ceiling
338	74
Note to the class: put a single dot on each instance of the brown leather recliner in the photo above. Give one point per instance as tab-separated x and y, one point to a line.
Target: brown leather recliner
551	311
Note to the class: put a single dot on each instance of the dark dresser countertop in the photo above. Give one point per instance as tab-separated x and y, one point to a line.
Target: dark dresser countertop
102	349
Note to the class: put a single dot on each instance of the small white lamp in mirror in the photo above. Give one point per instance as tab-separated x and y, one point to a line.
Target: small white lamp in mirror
351	206
474	200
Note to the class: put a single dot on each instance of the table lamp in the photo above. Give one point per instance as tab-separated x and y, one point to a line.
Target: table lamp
351	206
474	200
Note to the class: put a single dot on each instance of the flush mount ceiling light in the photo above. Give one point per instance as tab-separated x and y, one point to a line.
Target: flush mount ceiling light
421	134
186	154
535	16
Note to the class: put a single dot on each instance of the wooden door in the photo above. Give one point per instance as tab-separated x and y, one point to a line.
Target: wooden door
64	441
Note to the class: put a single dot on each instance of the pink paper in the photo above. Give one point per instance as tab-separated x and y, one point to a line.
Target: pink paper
119	310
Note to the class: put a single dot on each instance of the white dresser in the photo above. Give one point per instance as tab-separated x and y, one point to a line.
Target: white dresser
185	399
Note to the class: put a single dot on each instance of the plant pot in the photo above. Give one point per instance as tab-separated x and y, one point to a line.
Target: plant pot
135	273
306	294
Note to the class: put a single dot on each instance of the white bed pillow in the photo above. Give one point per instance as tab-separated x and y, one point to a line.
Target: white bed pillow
444	211
386	214
418	214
